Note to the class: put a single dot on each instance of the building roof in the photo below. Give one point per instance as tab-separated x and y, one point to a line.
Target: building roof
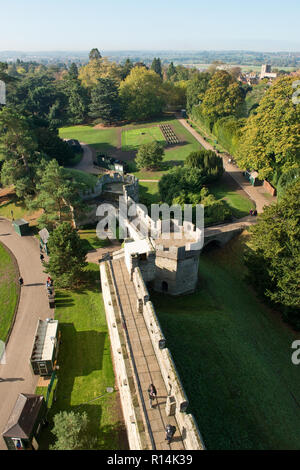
23	416
44	340
44	234
20	222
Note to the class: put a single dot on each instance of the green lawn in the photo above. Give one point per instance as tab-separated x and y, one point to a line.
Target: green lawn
239	204
17	207
103	140
133	138
84	178
9	291
234	358
90	239
149	193
85	364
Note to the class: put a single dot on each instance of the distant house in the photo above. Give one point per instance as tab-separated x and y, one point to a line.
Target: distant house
24	423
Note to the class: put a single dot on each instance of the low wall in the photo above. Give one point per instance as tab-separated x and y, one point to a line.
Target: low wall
188	427
268	187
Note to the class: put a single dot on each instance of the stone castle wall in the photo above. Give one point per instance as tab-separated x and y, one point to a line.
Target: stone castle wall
123	371
177	401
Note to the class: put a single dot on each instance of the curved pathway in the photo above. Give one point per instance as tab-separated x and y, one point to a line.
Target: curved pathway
87	162
16	375
256	193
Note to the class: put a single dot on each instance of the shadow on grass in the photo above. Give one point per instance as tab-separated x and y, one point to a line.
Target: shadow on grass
81	355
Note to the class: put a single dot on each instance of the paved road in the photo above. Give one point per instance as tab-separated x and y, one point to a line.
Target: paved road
256	193
16	375
86	163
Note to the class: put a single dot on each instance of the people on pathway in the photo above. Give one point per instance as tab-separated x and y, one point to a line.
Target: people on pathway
170	431
21	282
41	257
152	394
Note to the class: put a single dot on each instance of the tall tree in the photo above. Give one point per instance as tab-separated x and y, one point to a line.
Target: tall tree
57	195
271	138
171	72
73	71
126	69
196	89
274	256
18	147
156	66
67	256
142	95
94	54
223	97
105	101
101	68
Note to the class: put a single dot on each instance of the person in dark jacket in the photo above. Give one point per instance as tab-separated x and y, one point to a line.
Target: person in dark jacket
152	394
170	431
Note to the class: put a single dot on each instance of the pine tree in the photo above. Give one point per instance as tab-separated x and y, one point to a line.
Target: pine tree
73	71
105	102
171	72
94	54
156	66
67	256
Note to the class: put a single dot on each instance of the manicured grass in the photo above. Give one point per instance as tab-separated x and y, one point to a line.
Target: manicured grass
9	291
239	205
234	357
103	140
90	239
85	365
133	138
106	140
84	178
149	193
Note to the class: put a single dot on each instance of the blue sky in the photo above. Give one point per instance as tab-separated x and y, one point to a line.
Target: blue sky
33	25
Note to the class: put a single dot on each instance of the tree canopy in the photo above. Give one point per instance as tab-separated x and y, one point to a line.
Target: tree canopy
274	256
67	256
150	156
105	101
271	138
142	95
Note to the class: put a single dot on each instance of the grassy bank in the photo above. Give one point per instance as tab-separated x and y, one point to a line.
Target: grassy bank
85	364
234	357
9	291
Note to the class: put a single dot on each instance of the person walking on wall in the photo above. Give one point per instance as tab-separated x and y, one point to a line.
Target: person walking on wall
152	394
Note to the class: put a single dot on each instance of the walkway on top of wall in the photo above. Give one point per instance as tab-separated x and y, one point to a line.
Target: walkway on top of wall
145	360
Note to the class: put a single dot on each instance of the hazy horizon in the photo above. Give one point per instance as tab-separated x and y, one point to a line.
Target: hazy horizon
73	25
